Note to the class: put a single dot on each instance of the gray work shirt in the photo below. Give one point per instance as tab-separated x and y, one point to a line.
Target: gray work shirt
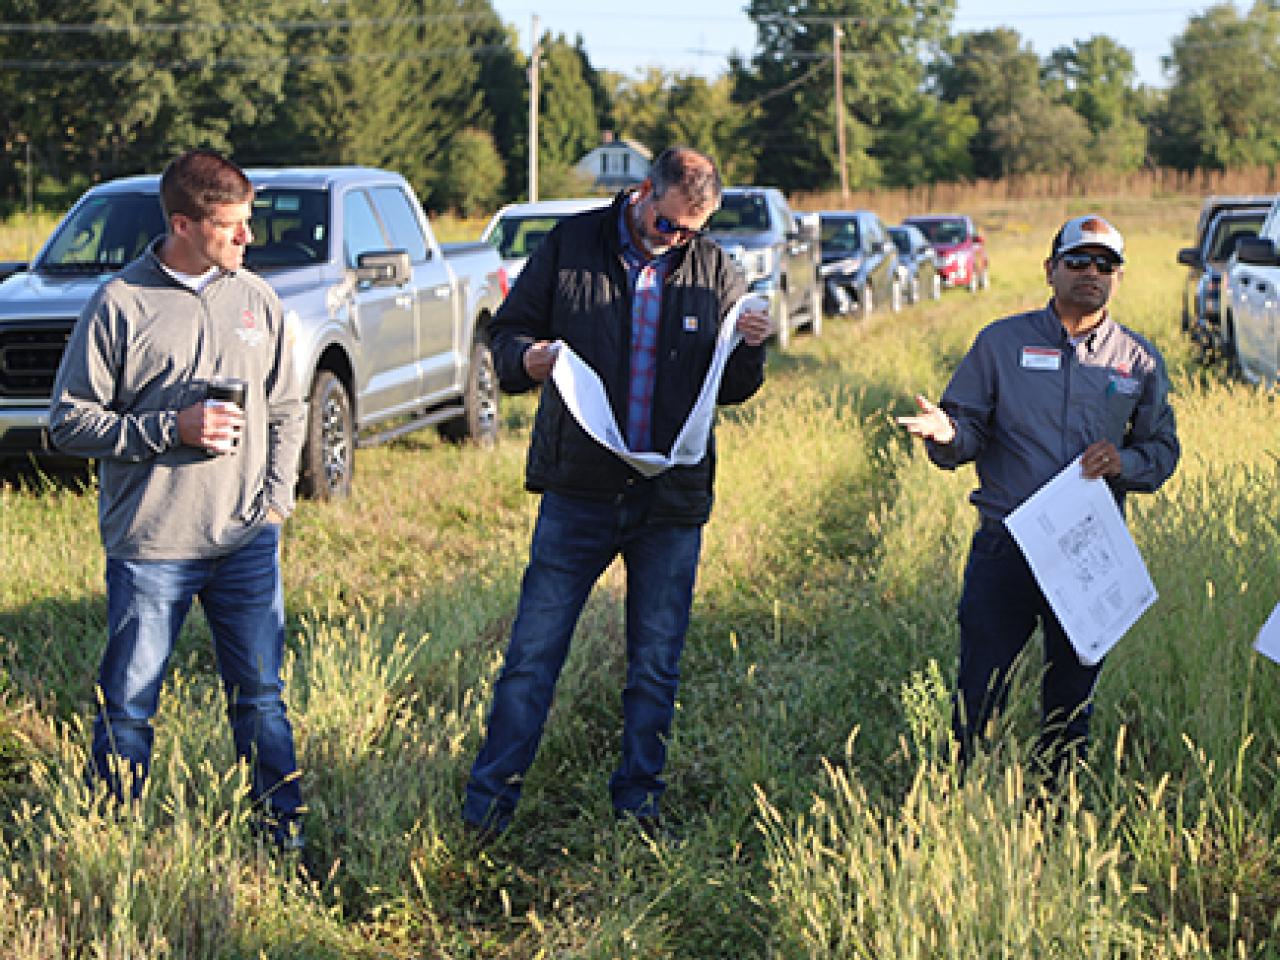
1026	402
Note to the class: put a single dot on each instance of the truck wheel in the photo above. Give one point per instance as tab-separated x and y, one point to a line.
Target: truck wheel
479	422
329	454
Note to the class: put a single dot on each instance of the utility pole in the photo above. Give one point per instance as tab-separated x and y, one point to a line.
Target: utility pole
535	54
836	34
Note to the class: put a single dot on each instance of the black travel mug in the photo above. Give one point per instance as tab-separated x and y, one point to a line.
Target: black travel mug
228	390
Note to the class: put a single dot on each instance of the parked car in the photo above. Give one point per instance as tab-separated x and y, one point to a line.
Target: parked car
1210	209
1251	304
917	262
859	263
1202	292
518	228
959	246
777	251
388	327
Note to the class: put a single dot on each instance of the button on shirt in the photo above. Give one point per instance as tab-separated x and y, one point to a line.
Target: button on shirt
644	279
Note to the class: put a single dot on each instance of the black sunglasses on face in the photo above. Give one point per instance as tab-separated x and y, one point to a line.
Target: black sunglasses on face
1080	261
664	225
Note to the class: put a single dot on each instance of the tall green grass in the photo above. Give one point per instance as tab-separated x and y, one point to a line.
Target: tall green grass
809	768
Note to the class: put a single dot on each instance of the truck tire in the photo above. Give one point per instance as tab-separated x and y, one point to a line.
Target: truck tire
328	455
479	422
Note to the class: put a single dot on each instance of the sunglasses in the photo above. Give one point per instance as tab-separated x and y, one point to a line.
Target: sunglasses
670	227
1081	261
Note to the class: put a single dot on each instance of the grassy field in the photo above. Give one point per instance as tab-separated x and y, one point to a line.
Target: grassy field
808	767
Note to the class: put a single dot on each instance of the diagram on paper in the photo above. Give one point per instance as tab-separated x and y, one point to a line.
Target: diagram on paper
1090	555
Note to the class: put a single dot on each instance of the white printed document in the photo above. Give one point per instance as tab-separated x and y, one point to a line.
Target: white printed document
1268	642
1085	560
586	399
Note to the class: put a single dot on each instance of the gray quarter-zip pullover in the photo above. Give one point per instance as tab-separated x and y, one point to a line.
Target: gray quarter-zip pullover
144	348
1026	402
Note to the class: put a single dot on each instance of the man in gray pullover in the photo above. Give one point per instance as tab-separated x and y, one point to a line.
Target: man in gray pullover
1035	391
180	517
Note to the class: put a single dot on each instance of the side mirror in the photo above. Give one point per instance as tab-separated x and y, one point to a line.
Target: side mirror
1189	257
384	268
1258	251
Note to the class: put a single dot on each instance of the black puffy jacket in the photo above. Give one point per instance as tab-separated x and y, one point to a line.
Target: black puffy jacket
574	288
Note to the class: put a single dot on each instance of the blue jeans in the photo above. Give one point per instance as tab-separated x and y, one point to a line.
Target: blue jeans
243	601
573	542
1000	605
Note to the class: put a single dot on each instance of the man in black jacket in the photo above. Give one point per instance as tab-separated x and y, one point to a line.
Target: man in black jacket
639	294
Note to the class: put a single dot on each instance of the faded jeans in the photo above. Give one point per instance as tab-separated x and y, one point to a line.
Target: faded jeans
574	541
243	600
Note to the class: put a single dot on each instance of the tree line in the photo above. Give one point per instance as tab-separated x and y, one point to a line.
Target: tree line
438	90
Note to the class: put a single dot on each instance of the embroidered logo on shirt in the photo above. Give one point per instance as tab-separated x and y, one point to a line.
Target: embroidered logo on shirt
691	324
249	332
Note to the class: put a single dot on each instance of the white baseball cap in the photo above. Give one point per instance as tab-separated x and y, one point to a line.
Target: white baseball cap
1090	230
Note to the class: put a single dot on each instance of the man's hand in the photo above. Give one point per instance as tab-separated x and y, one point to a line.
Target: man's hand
274	516
539	359
932	423
755	326
1101	459
211	425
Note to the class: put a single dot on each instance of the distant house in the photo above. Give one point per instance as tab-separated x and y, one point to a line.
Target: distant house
616	163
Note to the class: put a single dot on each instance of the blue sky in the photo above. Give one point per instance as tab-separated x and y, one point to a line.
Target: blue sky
696	36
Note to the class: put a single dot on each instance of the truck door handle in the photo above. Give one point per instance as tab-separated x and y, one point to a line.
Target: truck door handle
441	292
404	300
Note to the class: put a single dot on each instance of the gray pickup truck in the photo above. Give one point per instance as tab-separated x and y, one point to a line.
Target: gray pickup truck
389	328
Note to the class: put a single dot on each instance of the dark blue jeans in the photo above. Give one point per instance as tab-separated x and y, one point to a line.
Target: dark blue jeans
573	542
1000	605
243	601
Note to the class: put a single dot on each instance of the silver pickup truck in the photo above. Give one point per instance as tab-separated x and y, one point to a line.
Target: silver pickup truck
389	328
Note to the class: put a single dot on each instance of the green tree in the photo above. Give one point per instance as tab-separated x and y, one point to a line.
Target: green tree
927	142
391	87
567	126
994	72
1041	136
471	182
1097	79
1221	109
788	87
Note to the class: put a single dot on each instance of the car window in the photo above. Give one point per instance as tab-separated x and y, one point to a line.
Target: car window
106	232
740	213
1227	234
942	231
361	231
402	223
516	236
840	235
290	229
901	239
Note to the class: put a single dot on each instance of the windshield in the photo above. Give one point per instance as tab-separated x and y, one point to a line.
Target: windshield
517	236
740	213
942	231
840	235
290	228
901	239
104	233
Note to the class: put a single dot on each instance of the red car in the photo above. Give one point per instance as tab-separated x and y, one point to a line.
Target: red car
961	253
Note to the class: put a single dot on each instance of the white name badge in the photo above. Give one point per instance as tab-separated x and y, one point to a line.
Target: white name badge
1041	358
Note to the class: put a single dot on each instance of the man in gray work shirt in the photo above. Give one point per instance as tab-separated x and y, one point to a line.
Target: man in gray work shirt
192	494
1035	391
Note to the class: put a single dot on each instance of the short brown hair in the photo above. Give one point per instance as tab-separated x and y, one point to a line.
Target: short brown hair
691	171
199	180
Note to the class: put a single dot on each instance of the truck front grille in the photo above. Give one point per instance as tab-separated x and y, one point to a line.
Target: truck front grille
29	355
